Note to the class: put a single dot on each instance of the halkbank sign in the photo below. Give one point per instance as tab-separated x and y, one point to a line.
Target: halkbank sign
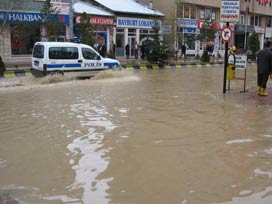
123	22
27	17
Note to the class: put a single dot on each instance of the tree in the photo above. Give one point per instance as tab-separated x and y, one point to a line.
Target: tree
207	34
85	31
157	48
254	43
50	19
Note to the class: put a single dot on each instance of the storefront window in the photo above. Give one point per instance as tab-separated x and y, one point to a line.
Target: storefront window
23	37
120	42
56	33
189	40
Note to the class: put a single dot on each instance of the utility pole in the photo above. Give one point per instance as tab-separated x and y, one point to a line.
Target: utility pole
246	19
71	20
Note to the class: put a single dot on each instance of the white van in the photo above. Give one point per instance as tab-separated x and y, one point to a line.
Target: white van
64	57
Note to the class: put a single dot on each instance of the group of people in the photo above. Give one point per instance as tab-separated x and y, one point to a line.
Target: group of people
136	50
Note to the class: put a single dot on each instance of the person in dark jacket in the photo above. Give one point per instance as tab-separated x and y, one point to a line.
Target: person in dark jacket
183	51
127	51
102	49
264	68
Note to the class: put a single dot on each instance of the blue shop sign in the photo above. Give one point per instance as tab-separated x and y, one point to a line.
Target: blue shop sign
26	17
187	23
187	30
124	22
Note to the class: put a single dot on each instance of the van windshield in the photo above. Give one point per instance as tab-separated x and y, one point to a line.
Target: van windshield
63	53
38	51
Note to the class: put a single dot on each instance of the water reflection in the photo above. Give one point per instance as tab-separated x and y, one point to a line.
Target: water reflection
88	157
262	197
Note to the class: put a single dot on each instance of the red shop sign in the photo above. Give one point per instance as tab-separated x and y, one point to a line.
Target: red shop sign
96	20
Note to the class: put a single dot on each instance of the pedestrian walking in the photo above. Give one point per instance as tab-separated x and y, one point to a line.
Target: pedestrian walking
183	51
112	49
127	51
136	48
143	51
102	49
264	68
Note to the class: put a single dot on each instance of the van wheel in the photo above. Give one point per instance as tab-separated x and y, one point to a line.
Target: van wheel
55	73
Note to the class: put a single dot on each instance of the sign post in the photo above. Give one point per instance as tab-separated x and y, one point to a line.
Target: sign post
229	12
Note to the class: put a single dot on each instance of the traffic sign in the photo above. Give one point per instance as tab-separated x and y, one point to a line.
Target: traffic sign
226	34
230	11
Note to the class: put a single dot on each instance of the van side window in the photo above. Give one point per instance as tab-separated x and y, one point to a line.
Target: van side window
38	51
89	54
63	53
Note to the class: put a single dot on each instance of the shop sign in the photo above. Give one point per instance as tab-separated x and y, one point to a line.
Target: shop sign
240	62
230	11
187	30
167	29
268	32
62	8
243	28
123	22
222	25
258	29
96	20
187	23
214	25
27	17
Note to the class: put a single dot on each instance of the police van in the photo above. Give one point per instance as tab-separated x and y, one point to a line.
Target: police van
68	57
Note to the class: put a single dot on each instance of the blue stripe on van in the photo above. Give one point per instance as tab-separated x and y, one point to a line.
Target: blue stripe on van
52	66
111	64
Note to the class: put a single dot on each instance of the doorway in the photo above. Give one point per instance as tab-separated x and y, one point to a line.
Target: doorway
131	41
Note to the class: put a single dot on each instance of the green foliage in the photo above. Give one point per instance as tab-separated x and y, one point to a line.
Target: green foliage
206	32
85	31
254	43
157	49
49	13
205	57
50	19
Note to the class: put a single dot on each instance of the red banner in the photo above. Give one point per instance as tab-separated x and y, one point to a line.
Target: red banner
96	20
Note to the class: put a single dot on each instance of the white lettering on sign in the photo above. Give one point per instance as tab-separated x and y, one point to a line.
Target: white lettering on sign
24	17
93	64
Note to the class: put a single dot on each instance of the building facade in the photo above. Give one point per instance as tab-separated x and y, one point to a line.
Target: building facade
185	17
24	22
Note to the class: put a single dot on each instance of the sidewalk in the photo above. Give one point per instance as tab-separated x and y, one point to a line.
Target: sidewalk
26	64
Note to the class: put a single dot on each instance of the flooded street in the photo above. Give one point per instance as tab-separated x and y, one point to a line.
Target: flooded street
145	137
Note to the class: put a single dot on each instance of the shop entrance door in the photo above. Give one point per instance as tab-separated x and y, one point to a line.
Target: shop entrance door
131	41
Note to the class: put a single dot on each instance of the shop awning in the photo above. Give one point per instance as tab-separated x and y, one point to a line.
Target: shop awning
81	7
129	6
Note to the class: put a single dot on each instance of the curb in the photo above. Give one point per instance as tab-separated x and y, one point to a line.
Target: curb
15	73
178	65
170	66
27	72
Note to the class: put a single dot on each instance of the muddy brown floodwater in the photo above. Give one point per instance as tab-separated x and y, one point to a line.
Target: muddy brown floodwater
146	137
